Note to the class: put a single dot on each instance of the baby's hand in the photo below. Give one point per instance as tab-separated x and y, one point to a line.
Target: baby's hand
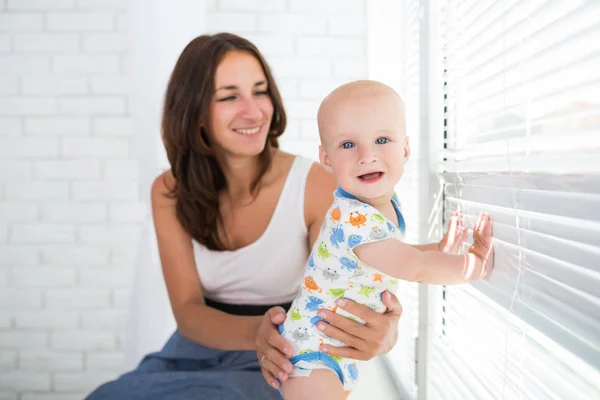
482	246
454	237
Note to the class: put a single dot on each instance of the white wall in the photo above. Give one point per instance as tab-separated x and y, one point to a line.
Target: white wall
69	213
70	208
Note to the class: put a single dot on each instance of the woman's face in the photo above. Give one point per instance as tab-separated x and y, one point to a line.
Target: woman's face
241	109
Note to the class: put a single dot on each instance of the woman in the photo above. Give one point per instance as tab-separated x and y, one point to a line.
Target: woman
235	219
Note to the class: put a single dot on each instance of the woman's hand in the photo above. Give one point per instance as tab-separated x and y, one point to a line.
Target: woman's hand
272	349
455	236
364	342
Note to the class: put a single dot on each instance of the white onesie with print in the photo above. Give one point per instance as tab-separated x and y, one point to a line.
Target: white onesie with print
334	271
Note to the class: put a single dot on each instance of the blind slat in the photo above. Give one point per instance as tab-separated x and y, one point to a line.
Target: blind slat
584	206
559	164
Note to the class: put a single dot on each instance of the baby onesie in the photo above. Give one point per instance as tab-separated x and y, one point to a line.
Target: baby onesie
334	271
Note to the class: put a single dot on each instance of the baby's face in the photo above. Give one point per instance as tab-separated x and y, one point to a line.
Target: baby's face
364	144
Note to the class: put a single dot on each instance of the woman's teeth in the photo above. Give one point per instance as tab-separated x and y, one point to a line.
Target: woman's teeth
248	131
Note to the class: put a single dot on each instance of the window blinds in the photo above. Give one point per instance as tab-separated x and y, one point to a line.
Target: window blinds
522	117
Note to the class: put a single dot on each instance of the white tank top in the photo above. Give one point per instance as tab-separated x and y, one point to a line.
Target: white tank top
269	270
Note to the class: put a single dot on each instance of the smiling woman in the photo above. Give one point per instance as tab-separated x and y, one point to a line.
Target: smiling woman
233	215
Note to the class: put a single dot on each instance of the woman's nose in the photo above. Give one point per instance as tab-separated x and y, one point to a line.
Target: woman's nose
251	109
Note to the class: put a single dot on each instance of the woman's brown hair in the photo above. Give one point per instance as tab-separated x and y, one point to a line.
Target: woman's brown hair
198	176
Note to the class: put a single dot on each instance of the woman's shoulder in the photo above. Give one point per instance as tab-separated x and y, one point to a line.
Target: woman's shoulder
319	183
283	157
162	187
319	180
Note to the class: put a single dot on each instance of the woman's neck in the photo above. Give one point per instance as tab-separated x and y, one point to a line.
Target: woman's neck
239	173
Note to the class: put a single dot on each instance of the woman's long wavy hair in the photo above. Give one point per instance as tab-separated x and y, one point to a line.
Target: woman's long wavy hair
198	176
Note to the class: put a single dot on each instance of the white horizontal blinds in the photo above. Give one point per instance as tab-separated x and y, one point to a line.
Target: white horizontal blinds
489	353
402	357
549	231
523	144
527	73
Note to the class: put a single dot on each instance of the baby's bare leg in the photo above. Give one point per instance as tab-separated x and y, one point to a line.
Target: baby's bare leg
321	384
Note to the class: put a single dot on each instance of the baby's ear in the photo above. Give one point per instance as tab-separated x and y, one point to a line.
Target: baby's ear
324	159
407	149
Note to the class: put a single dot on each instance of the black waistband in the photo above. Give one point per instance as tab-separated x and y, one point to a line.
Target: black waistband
244	309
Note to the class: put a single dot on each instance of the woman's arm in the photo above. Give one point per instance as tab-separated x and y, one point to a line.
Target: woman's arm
195	320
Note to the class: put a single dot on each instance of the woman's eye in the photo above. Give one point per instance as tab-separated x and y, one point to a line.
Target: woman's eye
347	145
262	93
227	98
382	140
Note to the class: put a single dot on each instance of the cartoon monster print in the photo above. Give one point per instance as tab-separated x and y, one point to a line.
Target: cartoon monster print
336	214
301	334
352	371
378	278
338	292
366	290
377	218
310	285
357	219
296	314
377	234
337	237
323	252
313	303
331	274
354	240
348	264
358	273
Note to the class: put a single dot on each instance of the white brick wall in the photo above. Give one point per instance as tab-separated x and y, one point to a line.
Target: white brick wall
68	195
69	209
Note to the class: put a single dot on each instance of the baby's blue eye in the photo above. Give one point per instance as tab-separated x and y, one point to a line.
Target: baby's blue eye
382	140
347	145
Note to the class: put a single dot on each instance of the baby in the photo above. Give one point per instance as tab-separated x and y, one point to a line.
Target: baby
360	252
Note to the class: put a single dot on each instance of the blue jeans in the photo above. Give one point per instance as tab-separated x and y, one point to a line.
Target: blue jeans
185	370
